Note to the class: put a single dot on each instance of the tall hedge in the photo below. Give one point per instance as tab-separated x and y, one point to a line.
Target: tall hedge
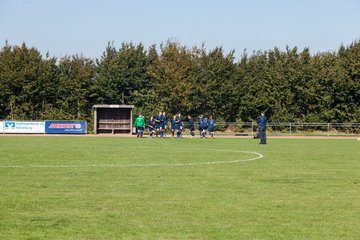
291	85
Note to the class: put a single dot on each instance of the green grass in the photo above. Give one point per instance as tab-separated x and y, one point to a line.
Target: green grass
300	189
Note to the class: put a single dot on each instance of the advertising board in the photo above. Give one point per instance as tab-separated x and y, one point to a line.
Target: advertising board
65	127
24	127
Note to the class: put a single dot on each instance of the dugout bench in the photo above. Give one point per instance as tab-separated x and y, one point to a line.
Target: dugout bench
113	119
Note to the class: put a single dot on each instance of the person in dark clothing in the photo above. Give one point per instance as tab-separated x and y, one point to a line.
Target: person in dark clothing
173	126
204	126
178	125
151	126
165	123
211	127
181	126
191	126
262	128
158	120
200	118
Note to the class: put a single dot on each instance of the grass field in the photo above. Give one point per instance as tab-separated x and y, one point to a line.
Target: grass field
128	188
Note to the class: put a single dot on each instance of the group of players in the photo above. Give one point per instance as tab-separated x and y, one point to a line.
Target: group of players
158	126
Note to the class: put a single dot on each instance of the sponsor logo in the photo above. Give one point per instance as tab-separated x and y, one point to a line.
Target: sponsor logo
65	125
9	125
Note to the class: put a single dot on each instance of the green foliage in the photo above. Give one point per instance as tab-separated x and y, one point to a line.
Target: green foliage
172	78
20	70
75	82
290	85
220	124
120	73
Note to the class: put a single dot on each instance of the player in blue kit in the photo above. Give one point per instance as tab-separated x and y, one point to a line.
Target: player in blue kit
158	119
211	127
181	126
173	126
200	123
151	125
161	125
164	125
191	126
178	125
204	126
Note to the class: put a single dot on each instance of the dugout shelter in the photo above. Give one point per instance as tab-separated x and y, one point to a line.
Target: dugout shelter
113	119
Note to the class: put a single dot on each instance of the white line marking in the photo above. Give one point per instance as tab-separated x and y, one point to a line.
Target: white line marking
258	156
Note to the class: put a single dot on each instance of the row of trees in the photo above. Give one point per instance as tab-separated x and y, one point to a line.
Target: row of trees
291	85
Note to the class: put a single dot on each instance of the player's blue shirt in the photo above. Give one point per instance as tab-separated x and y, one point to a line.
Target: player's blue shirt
157	120
177	122
262	123
165	119
173	123
200	123
162	121
211	125
151	125
191	125
204	123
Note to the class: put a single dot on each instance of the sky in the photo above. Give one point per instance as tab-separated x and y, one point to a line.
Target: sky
66	27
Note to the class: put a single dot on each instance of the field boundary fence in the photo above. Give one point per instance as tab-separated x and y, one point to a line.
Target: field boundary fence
288	129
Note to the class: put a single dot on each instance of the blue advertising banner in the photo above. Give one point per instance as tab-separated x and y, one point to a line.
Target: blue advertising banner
65	127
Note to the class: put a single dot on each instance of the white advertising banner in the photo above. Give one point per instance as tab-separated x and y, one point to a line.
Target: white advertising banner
24	127
1	127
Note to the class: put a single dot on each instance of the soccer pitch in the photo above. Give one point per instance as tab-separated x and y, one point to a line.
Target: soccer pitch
128	188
